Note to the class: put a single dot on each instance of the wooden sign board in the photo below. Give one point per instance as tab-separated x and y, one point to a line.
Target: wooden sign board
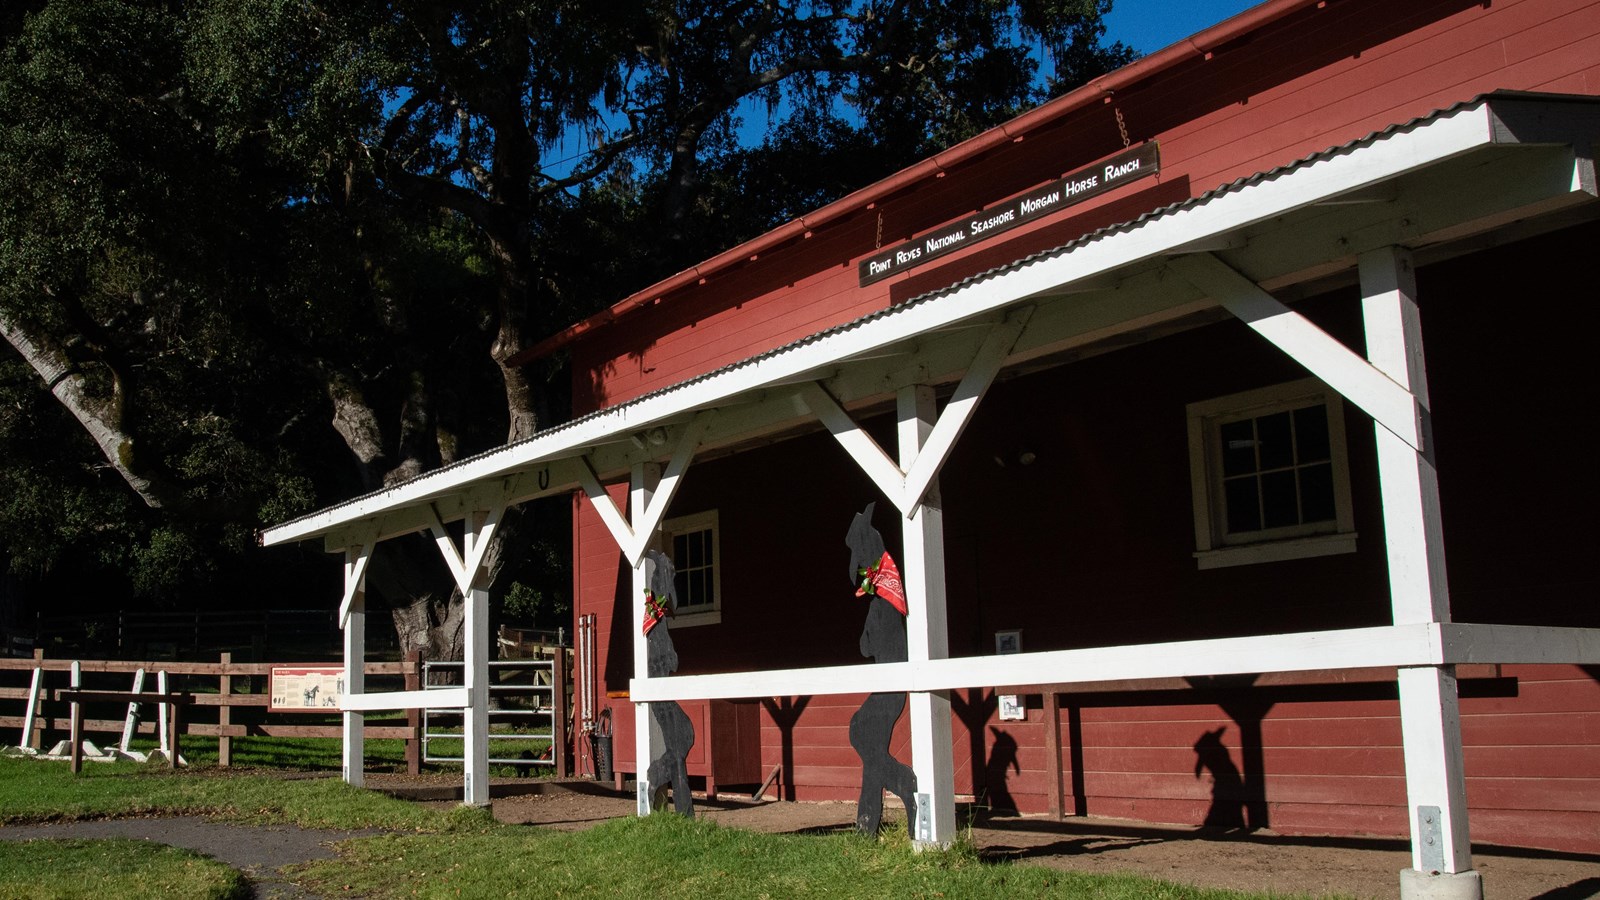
1128	166
301	688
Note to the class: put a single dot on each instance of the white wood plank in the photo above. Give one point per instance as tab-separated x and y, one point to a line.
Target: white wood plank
35	687
1389	645
475	717
1390	404
648	741
923	575
621	531
1436	788
862	448
130	722
353	747
1520	644
442	698
649	520
355	573
922	466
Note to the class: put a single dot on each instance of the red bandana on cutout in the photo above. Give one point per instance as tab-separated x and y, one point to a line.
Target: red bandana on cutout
654	611
883	580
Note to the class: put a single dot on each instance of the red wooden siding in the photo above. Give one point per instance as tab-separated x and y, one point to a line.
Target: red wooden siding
1314	80
1091	545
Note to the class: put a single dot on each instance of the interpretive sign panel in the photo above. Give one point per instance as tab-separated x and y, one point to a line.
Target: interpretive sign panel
1129	165
295	688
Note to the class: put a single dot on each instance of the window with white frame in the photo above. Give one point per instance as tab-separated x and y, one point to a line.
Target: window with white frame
1270	475
691	543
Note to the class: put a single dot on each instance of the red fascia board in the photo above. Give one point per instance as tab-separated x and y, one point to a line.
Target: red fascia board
1198	46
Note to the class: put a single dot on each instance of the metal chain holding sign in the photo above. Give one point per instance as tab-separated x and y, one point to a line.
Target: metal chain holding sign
879	244
1122	126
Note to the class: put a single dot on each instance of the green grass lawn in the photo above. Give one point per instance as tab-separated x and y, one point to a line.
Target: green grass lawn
463	852
47	870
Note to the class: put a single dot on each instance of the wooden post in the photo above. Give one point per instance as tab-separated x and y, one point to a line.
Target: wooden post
558	711
130	724
355	664
163	715
927	638
30	734
475	718
413	678
647	739
1052	743
224	714
175	721
76	730
1419	593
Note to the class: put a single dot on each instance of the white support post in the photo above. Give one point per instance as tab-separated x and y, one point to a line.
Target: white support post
927	631
647	739
354	621
131	723
475	718
34	688
1429	706
163	711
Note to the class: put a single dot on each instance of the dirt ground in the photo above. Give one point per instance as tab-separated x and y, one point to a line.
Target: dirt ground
1358	867
1260	861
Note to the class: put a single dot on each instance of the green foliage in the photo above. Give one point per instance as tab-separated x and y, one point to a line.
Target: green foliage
279	250
116	867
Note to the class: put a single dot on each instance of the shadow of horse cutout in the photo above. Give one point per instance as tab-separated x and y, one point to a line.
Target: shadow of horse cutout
883	639
1227	784
671	767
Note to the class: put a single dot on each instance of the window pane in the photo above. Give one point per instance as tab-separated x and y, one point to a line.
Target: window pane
1316	493
680	550
680	582
1238	447
1277	444
1311	433
1278	499
1244	513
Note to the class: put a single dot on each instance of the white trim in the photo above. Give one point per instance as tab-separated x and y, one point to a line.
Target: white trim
1363	384
706	520
1426	644
1214	547
1398	153
443	698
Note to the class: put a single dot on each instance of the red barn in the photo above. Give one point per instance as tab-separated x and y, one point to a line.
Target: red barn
1220	404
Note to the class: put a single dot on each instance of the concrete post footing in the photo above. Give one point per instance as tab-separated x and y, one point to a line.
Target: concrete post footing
1419	885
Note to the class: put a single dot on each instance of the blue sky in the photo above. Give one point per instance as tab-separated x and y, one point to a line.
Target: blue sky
1149	25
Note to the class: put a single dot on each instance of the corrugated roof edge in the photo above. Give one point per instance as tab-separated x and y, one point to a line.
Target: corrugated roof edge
1196	46
1098	235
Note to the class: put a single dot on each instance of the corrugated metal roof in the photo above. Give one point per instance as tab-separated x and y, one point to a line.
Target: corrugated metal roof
934	296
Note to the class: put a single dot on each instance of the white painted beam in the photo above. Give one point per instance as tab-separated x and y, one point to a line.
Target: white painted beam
648	741
870	457
1363	384
442	698
927	621
353	619
479	532
922	464
1430	644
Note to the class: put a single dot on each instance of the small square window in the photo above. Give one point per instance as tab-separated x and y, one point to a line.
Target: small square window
691	543
1269	475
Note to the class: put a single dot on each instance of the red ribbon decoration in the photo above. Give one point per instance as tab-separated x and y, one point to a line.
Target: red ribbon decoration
654	611
883	580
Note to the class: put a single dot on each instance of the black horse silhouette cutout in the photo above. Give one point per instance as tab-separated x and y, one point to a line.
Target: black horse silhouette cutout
671	767
883	639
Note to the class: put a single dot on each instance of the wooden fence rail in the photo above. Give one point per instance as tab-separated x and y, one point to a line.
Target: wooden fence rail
252	702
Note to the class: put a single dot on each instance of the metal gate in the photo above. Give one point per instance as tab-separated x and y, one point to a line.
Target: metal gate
521	696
